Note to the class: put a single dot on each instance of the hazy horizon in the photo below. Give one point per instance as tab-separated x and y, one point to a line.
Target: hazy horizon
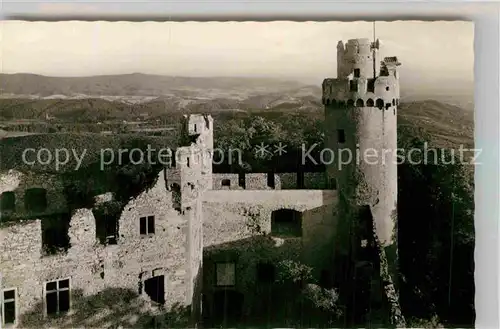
432	53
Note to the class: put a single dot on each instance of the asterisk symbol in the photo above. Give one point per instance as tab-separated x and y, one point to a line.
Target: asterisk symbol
280	149
261	150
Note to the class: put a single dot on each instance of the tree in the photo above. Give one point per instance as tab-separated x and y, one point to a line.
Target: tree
436	234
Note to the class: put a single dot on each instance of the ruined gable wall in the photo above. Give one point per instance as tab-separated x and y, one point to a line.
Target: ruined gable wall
93	267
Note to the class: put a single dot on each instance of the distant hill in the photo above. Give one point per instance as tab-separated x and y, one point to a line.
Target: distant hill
136	84
448	125
170	93
134	96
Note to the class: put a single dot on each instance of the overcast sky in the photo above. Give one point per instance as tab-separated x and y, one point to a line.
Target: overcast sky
429	51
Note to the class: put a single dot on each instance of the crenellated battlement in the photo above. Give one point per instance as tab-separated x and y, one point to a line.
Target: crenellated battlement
358	83
361	92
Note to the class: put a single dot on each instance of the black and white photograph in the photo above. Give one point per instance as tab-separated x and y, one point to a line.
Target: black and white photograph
233	174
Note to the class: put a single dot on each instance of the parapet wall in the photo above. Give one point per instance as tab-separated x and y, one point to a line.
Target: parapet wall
262	181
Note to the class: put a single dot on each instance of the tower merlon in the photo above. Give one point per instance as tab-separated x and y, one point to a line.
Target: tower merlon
195	124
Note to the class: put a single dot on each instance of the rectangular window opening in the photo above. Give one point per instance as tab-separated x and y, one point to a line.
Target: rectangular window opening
147	225
9	307
225	274
106	229
341	135
353	85
55	238
357	73
371	86
241	180
155	288
226	183
57	297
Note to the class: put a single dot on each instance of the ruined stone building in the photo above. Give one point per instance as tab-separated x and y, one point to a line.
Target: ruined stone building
197	239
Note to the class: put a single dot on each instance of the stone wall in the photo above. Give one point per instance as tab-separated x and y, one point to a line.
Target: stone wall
259	181
237	228
218	179
94	268
20	182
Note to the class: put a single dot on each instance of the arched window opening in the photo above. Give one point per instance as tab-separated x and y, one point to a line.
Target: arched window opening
380	103
360	103
341	103
8	201
286	223
350	103
35	199
370	102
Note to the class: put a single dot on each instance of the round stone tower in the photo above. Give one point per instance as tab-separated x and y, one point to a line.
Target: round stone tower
360	111
361	118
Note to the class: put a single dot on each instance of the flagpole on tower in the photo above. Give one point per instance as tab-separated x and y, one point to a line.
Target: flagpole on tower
374	46
373	31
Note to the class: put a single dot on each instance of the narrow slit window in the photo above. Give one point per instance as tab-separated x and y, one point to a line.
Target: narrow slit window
341	135
270	180
151	225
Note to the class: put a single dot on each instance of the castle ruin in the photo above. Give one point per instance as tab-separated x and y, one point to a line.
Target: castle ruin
197	240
